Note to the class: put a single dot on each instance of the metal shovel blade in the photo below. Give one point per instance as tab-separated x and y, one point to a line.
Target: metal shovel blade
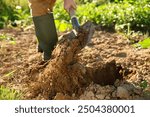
74	20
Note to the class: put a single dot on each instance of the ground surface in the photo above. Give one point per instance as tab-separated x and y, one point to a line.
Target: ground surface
17	59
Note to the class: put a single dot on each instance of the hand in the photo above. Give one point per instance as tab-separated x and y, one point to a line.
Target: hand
69	4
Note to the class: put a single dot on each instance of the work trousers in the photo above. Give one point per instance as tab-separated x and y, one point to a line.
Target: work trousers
41	7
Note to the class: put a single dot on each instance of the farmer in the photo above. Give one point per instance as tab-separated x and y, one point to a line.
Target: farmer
43	19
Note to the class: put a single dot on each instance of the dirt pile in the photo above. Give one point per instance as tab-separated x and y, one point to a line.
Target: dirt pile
65	73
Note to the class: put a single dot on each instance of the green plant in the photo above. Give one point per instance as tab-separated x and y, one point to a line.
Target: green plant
9	74
144	84
145	43
9	94
22	17
6	37
62	19
11	14
3	37
124	15
135	15
5	13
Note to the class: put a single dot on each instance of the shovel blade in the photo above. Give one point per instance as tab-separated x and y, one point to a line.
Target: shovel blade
75	23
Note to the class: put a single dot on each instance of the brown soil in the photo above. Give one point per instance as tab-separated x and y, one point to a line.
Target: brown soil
76	70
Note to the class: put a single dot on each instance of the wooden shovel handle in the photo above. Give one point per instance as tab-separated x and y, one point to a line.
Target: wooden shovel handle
72	12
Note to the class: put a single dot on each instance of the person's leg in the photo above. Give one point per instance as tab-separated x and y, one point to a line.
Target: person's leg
46	33
44	26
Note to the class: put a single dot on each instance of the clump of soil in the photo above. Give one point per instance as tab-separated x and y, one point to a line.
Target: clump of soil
66	74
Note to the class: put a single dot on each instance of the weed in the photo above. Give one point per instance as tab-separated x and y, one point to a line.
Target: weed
144	84
9	74
3	37
6	37
9	94
143	44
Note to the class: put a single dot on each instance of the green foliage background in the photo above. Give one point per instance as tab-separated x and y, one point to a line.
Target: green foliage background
121	14
12	14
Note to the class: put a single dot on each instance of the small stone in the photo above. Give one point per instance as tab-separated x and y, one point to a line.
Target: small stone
60	96
90	94
117	83
107	97
2	81
100	96
114	94
35	57
122	92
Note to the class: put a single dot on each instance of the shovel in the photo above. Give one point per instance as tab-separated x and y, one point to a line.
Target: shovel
74	20
87	27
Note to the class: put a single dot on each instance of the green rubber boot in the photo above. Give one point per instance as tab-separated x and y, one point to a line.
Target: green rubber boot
46	33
